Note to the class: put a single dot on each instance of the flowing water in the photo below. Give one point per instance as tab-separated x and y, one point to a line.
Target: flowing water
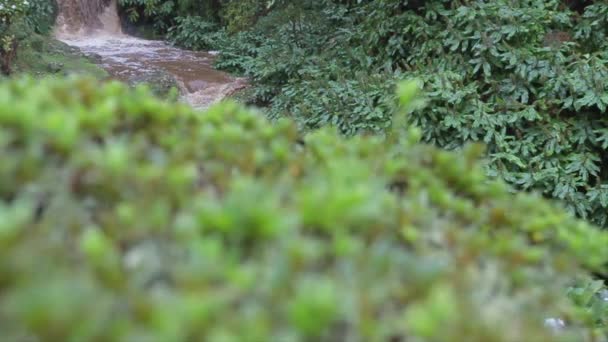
94	27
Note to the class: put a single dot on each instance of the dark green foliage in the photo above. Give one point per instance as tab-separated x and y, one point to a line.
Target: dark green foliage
41	16
123	218
303	68
527	78
298	62
194	33
361	98
12	14
239	15
162	14
593	29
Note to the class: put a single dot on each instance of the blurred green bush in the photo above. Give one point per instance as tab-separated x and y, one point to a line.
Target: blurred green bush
124	218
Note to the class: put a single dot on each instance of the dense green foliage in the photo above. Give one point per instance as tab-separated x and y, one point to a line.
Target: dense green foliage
162	15
125	218
527	78
41	16
11	12
20	19
528	82
115	227
194	33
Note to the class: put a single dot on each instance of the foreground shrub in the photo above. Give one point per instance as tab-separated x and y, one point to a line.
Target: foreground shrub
123	218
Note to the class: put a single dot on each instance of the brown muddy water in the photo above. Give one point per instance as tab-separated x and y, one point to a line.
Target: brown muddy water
94	27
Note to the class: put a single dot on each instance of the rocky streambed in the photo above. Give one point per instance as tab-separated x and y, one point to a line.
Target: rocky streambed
96	32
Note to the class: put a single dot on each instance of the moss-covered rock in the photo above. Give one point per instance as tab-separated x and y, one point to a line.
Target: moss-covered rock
124	218
161	83
40	55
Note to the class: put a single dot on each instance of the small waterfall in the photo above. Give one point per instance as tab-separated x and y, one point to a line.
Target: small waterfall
87	17
94	27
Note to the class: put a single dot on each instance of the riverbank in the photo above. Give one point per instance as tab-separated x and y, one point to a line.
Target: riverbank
86	38
42	56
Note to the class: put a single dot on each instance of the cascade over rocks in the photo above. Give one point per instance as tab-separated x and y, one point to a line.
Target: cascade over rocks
94	27
87	16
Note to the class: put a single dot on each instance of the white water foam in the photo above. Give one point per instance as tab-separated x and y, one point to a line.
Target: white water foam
126	57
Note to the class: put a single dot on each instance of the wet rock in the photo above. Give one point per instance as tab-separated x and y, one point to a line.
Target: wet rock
54	67
143	256
196	85
57	47
95	58
147	261
555	324
160	82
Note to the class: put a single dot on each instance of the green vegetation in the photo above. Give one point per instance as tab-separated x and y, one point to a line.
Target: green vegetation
11	12
117	228
27	47
41	15
526	78
337	211
39	55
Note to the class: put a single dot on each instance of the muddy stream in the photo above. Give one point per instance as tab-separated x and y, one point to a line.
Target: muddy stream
94	27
